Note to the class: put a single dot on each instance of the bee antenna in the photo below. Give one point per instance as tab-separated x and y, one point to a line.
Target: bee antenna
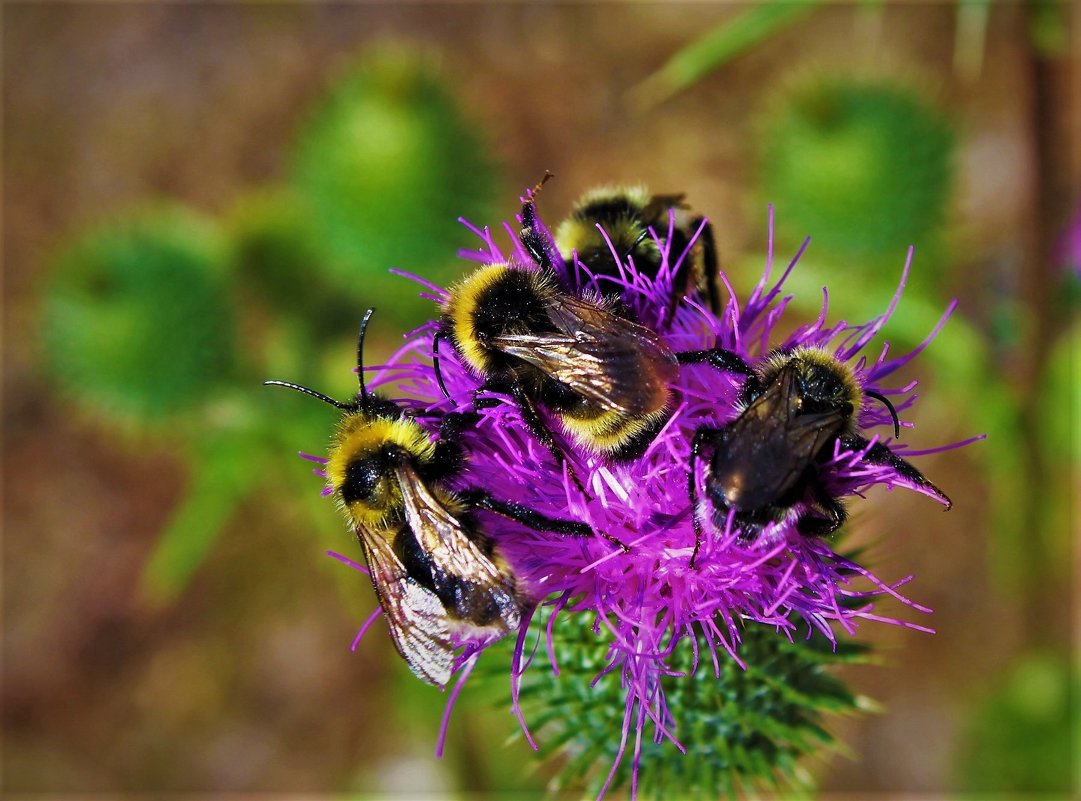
289	385
893	412
636	243
435	362
360	354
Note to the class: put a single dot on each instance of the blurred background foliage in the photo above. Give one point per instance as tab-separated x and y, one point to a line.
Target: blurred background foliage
198	198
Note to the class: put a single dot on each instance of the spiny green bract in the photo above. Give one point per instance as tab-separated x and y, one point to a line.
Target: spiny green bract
743	731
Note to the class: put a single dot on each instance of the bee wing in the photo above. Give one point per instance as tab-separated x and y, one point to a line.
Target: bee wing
771	444
610	361
807	431
416	617
657	208
475	589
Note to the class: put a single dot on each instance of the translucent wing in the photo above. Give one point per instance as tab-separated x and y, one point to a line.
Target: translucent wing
767	448
608	360
473	587
656	211
415	615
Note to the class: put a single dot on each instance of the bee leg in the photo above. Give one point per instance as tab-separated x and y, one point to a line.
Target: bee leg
709	264
701	437
449	451
482	402
880	454
835	515
535	243
454	424
533	519
533	422
724	360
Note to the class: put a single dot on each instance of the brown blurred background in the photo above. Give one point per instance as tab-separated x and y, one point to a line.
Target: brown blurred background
237	676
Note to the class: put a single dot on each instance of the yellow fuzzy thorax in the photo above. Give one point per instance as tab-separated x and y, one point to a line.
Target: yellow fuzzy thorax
360	435
464	298
809	357
578	233
467	296
638	194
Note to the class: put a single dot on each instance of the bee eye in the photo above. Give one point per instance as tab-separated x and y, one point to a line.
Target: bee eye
362	477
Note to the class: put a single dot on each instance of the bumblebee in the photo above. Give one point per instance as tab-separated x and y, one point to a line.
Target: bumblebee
435	572
764	465
605	378
612	224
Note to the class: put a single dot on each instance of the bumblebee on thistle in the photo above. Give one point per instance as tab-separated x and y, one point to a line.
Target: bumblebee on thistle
440	580
764	464
607	379
782	429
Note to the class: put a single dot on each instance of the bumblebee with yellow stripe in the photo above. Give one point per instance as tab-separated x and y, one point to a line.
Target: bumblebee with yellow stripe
606	379
631	223
438	576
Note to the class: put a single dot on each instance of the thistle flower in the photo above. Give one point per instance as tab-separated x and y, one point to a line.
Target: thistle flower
656	615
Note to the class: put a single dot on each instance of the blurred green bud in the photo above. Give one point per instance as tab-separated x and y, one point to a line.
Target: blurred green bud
387	164
278	256
136	321
864	167
275	247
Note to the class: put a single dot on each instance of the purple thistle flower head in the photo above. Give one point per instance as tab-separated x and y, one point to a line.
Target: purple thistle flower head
672	587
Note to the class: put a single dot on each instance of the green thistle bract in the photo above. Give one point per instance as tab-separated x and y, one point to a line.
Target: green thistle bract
741	729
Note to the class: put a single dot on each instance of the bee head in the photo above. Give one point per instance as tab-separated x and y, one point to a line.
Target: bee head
824	383
372	437
367	487
362	468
